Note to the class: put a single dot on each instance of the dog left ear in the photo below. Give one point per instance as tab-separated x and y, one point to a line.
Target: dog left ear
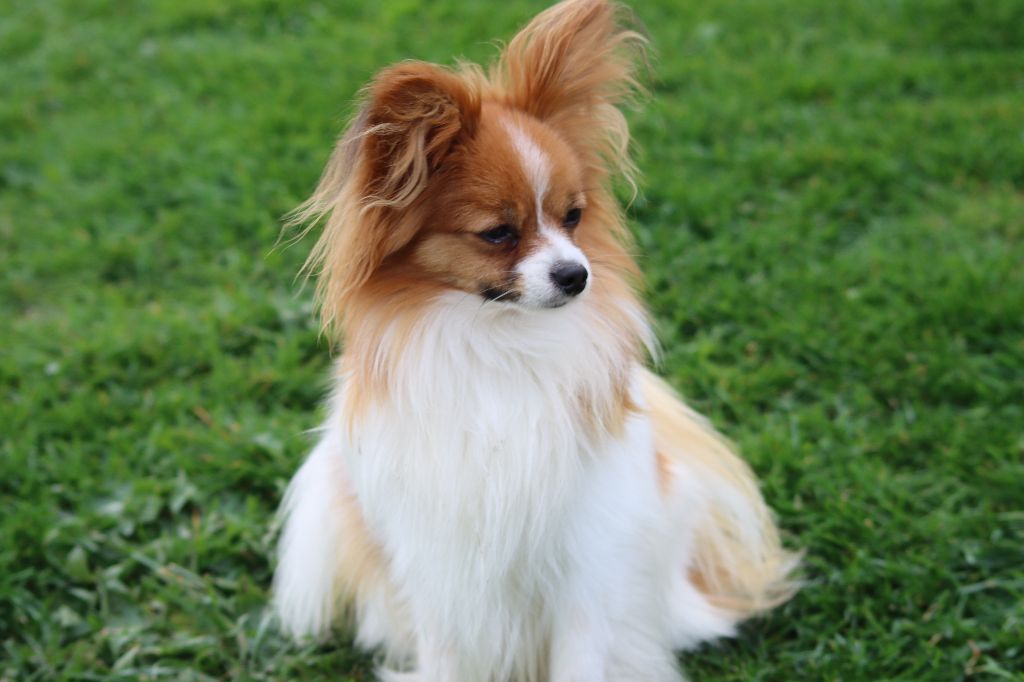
571	58
572	67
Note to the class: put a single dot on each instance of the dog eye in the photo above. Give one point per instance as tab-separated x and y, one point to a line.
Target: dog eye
572	218
502	234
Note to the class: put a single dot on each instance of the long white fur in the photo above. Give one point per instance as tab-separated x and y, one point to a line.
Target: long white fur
304	583
515	541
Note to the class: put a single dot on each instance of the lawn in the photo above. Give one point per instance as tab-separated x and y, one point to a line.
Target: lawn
831	221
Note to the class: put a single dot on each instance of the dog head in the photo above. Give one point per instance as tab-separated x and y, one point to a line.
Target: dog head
492	183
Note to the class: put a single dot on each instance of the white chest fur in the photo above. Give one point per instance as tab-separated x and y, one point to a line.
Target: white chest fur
475	472
520	542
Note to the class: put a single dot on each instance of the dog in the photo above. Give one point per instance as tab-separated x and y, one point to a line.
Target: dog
501	490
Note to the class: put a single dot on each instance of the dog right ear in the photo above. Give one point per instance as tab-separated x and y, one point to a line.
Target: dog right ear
413	116
415	113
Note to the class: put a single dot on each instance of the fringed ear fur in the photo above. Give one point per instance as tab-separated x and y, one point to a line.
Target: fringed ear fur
413	116
572	67
416	113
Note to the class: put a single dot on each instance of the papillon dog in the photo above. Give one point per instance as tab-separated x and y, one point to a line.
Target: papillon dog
501	490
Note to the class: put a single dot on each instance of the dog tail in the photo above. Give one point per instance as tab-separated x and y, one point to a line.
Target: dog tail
738	563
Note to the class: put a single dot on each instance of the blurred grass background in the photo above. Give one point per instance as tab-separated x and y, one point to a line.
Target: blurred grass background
831	224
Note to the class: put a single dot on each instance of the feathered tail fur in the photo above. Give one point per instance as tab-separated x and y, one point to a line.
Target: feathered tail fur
739	563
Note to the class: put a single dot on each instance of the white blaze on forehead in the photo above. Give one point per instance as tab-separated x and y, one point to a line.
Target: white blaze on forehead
555	247
536	164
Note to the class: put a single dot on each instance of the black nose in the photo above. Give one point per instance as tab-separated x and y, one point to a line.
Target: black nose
571	278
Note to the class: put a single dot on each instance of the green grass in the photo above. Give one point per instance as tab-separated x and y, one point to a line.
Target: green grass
832	224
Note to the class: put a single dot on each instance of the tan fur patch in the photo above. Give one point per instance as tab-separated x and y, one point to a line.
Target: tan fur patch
740	566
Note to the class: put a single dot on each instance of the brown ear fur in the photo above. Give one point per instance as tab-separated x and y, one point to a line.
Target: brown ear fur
572	67
414	114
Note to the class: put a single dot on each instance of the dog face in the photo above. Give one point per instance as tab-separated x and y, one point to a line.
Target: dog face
504	215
